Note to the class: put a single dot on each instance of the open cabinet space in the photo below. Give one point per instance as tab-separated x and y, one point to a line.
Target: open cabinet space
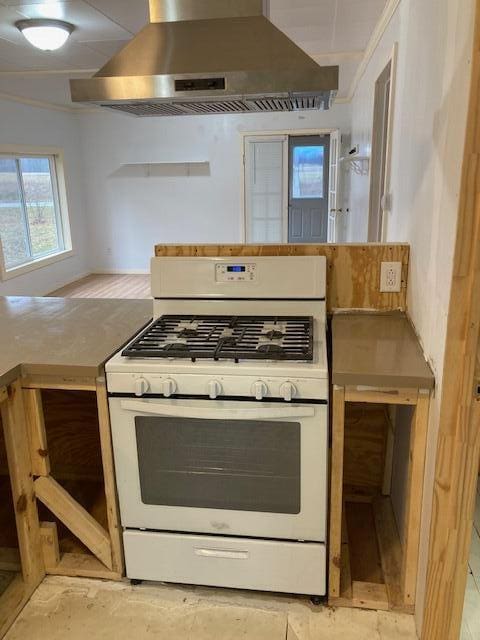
371	568
371	554
77	520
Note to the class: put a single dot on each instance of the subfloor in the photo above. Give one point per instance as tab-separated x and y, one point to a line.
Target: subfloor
471	612
76	609
99	285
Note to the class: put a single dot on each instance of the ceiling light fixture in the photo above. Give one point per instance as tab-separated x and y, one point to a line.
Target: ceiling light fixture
45	33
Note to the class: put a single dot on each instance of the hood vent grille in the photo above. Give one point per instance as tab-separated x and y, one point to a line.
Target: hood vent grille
250	105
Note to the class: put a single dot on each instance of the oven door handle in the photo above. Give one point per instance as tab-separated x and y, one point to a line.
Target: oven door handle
179	411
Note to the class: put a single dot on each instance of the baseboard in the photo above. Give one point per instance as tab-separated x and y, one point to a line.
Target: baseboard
121	272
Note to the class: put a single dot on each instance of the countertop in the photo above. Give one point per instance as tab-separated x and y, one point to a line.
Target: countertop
65	336
378	350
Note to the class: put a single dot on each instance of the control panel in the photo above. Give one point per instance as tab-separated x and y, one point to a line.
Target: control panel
236	272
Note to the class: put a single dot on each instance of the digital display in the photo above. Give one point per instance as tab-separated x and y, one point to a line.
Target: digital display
236	269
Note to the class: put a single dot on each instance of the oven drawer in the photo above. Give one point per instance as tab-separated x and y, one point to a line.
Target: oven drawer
264	565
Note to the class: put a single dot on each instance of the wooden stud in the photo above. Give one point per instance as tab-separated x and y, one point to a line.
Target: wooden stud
75	517
336	491
36	432
389	451
50	548
353	269
37	381
345	571
414	495
83	565
18	454
381	396
113	515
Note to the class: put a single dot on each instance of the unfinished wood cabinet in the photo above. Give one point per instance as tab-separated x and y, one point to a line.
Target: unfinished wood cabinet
71	456
369	567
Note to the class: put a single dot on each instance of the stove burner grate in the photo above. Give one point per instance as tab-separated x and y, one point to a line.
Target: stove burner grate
226	338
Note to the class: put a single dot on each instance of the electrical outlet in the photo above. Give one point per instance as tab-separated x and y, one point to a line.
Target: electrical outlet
391	277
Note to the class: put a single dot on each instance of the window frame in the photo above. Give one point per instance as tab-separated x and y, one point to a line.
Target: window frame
57	172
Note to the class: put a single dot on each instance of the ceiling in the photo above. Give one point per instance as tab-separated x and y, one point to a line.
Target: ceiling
331	31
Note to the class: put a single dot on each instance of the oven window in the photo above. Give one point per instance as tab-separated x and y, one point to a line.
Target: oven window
237	465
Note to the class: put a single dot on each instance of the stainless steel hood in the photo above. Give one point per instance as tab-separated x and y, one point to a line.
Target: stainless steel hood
209	56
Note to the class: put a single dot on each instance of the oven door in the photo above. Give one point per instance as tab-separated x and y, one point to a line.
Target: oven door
225	467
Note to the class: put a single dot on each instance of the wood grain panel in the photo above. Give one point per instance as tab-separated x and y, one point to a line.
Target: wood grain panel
365	443
459	434
353	278
72	427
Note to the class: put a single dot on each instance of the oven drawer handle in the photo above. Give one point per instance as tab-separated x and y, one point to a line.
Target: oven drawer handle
178	411
221	553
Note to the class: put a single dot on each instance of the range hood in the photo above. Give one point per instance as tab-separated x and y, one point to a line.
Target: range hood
209	56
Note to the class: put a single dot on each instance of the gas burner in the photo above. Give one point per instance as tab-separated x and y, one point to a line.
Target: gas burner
188	333
226	338
176	346
271	349
274	334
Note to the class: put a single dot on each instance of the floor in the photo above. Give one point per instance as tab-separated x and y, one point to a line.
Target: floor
471	612
75	609
107	286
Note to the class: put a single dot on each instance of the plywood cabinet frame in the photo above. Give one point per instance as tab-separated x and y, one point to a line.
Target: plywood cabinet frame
400	566
106	560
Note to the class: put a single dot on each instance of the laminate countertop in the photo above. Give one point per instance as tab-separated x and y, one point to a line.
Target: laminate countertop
65	336
378	350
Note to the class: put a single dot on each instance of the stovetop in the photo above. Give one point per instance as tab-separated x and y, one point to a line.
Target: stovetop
223	337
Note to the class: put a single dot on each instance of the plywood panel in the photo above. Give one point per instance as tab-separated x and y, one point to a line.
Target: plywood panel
353	278
365	443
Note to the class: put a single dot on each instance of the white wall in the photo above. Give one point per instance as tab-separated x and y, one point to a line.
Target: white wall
434	44
129	212
22	124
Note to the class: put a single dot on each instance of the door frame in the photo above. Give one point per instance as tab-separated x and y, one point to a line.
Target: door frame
376	155
267	134
458	448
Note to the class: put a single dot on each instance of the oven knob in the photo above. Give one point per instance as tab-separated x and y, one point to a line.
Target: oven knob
214	389
259	390
169	387
141	387
288	391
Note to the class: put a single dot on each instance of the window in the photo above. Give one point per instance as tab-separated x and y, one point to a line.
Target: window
307	174
290	187
33	218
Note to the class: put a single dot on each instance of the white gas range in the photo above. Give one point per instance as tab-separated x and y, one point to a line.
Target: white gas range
219	413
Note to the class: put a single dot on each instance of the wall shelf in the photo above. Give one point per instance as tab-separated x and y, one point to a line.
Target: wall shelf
360	165
164	168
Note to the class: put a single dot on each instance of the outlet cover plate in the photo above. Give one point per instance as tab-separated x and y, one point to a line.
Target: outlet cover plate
391	277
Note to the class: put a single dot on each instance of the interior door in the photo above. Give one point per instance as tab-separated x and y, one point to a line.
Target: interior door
308	189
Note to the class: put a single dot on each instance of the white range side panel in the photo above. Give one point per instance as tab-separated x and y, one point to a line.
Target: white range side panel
266	277
238	563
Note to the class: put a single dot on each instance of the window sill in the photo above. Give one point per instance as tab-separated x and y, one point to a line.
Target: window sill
36	264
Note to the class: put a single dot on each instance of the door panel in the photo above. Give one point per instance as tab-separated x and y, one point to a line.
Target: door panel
308	188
